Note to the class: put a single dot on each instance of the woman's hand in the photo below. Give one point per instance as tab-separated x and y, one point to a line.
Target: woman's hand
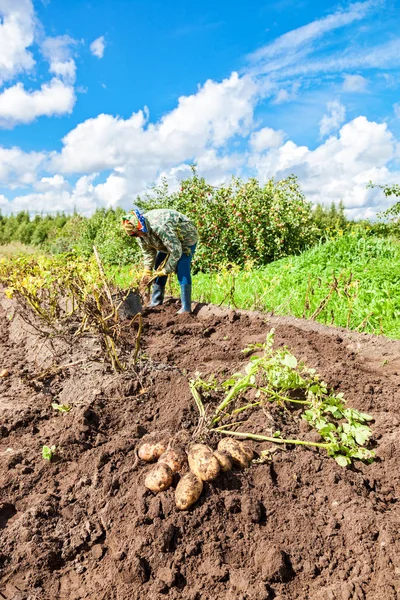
146	278
159	273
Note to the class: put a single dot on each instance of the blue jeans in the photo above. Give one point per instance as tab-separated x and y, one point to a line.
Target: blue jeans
182	268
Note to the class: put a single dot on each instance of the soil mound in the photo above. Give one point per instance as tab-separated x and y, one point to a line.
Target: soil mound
84	526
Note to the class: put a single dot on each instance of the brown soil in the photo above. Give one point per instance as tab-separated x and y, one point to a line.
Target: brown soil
84	526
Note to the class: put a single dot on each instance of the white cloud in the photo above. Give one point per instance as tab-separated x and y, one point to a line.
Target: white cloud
338	169
113	191
218	169
331	121
354	83
282	96
54	199
18	24
287	48
386	55
314	30
97	47
286	95
212	116
57	182
20	106
4	203
58	51
16	35
266	138
55	194
208	127
65	70
137	151
18	168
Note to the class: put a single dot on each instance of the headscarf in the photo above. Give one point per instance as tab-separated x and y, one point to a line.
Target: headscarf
134	221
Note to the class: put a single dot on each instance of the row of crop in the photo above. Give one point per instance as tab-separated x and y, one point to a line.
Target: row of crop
67	296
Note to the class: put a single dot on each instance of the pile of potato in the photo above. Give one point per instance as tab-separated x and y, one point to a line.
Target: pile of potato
204	465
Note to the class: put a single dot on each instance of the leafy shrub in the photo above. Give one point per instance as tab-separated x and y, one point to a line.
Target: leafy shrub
104	231
242	222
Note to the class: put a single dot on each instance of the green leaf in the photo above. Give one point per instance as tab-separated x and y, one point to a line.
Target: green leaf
290	361
366	417
276	434
326	429
63	408
334	411
341	460
48	452
308	415
362	435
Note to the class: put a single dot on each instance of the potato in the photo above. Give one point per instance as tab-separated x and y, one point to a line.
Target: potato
240	454
151	452
175	459
4	373
188	491
159	478
203	463
224	459
247	449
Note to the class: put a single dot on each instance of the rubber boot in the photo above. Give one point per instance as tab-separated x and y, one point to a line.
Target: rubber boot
157	296
186	297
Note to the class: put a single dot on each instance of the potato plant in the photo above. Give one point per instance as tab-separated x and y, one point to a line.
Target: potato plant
70	296
62	408
277	377
49	452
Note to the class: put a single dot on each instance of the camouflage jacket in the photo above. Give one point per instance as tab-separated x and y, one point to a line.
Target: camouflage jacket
168	231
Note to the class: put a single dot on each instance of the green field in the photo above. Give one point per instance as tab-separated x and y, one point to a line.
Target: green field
352	281
349	282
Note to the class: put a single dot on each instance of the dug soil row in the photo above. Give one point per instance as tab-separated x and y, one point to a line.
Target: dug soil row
298	527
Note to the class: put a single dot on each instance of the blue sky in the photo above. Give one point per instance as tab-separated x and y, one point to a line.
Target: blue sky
100	99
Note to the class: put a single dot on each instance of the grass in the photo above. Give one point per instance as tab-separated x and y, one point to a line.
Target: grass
15	248
349	282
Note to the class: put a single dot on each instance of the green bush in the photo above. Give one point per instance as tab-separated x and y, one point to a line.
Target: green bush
241	223
104	231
